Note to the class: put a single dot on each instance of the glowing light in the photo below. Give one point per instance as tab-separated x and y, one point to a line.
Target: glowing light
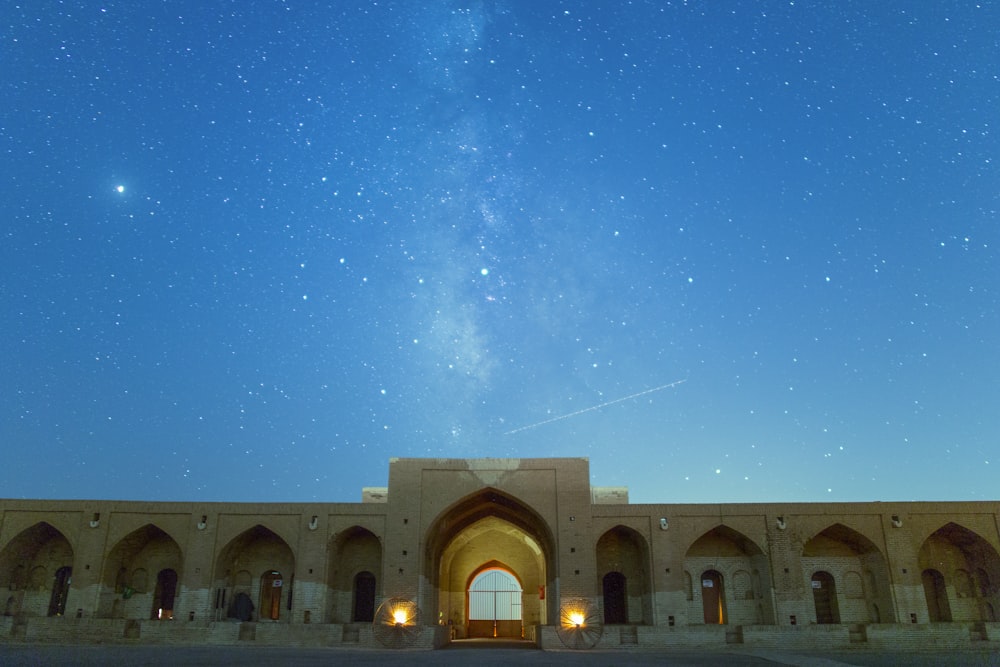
119	189
576	619
399	615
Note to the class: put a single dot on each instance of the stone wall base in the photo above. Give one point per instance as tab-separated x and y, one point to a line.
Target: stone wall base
883	636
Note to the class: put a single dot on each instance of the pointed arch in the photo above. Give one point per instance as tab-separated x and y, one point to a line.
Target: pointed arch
245	565
836	563
718	558
623	576
484	526
352	552
126	589
958	569
494	565
36	567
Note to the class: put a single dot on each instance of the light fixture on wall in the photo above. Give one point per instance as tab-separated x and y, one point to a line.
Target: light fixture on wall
96	521
663	523
314	522
780	523
896	521
203	522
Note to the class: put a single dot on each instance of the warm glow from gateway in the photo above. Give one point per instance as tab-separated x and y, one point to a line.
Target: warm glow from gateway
399	616
576	619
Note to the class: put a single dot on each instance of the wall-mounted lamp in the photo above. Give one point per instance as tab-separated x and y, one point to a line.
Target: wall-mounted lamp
314	522
896	521
780	523
203	522
663	523
96	521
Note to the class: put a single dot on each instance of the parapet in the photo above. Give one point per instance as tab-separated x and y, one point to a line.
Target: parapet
609	495
375	494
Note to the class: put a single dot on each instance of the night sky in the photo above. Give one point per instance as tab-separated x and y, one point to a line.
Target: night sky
747	252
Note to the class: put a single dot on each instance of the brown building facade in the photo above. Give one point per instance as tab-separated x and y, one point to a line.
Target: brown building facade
501	547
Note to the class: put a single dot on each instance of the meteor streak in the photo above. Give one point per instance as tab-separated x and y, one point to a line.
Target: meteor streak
595	407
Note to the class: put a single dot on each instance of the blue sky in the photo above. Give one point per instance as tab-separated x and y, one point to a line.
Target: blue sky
251	251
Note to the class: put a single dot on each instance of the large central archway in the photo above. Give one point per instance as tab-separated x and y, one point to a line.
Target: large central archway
489	529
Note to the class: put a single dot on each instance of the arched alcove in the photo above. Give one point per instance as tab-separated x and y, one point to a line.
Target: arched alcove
958	569
727	553
481	528
128	580
353	551
36	568
627	597
245	566
849	559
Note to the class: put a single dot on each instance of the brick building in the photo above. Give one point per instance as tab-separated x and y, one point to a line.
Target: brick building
501	547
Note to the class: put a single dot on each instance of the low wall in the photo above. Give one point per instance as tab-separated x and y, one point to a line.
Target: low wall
885	636
795	638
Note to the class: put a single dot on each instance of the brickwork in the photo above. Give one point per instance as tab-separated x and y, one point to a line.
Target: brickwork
882	572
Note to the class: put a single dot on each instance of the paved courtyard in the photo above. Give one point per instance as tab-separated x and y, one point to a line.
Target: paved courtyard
13	655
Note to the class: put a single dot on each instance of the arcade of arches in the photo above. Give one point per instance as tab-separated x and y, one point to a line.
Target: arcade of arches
492	548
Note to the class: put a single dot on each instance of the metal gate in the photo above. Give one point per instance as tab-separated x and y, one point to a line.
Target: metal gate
495	605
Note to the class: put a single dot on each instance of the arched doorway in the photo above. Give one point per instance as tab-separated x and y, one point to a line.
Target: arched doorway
495	605
615	592
271	587
364	598
164	594
623	576
959	565
739	591
353	572
936	594
60	591
713	598
131	585
858	568
30	564
257	549
824	590
489	529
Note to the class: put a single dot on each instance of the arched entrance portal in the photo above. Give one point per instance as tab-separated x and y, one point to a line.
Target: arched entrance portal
495	604
489	530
